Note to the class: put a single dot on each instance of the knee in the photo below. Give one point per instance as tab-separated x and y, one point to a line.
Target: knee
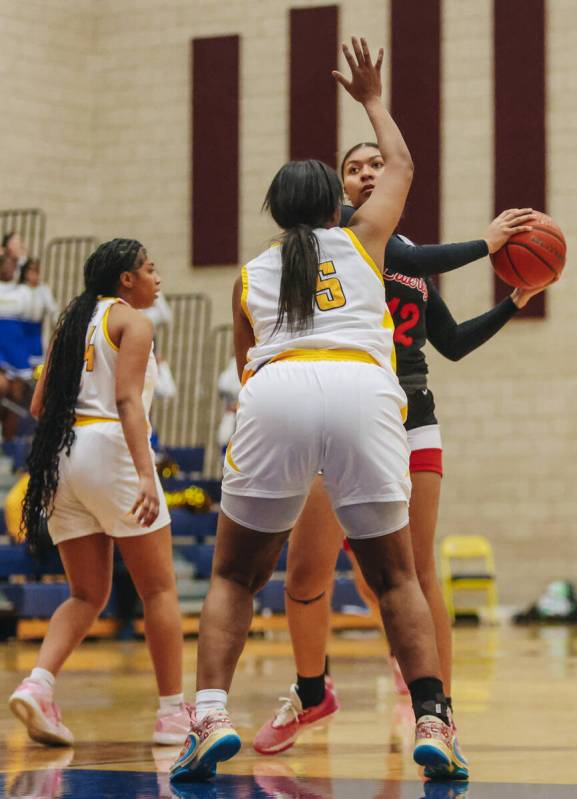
158	590
382	581
96	598
304	582
250	578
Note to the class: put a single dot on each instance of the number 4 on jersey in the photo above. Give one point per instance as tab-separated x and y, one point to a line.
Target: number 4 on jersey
329	294
89	351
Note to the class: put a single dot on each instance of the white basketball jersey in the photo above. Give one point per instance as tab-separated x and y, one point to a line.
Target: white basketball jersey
97	395
351	318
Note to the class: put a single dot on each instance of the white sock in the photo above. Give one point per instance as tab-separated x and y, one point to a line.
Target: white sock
168	704
44	677
208	700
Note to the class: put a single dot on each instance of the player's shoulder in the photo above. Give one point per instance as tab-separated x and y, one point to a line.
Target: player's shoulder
122	315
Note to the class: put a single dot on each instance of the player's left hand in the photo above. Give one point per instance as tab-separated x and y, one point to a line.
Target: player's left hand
521	297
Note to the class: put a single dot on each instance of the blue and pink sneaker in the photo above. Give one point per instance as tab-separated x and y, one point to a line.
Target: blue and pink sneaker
210	741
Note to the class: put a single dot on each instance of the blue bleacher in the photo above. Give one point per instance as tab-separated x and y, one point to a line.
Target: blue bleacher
187	523
201	556
14	559
40	600
188	459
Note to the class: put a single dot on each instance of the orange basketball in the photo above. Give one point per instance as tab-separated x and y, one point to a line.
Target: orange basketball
533	259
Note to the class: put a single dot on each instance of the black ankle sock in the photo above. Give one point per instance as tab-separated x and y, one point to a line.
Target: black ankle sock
327	666
428	698
311	690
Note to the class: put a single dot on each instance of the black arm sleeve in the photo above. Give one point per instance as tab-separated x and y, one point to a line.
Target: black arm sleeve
431	259
424	260
453	340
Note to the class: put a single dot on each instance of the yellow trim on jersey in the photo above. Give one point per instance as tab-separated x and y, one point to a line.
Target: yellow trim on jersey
105	328
325	355
229	458
389	324
244	296
246	375
82	421
364	254
404	414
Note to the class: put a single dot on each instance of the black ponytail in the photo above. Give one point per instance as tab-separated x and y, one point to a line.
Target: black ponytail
302	196
55	432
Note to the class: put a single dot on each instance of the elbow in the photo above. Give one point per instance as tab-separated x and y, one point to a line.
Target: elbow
127	404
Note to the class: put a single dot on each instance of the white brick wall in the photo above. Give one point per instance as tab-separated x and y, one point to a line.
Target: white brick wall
99	96
47	101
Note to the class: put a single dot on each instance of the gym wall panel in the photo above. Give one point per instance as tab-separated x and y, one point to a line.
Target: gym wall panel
215	150
520	107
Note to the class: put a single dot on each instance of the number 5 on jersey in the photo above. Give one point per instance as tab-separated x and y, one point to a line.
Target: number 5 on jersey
89	351
329	294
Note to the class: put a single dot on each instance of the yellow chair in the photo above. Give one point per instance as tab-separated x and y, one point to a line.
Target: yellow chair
478	576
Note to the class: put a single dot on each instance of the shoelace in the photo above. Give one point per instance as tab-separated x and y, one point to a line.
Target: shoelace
289	712
217	718
430	729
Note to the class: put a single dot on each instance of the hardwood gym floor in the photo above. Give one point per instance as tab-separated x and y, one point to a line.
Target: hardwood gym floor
514	694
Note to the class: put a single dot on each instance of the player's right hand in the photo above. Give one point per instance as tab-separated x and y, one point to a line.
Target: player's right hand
511	221
147	505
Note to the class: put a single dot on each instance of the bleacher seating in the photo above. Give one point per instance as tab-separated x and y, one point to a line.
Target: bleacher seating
190	460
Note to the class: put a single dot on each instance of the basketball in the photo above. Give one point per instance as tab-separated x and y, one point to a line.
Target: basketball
533	259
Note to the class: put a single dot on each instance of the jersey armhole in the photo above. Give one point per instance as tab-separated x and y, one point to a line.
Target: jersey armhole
105	330
363	253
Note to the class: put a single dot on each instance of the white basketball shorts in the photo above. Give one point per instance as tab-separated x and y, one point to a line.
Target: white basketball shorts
97	487
342	417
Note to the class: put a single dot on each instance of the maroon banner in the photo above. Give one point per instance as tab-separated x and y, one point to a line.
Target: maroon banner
520	149
313	90
416	108
215	150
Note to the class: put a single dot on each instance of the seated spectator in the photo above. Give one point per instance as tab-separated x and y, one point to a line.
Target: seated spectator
42	305
15	370
13	250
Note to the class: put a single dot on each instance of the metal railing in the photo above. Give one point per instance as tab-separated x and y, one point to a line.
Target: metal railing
182	420
63	266
220	349
30	223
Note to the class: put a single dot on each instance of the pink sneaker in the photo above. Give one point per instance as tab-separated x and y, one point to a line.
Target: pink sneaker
282	731
34	706
171	729
401	687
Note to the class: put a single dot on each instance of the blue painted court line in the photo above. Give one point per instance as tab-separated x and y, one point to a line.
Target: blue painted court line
90	784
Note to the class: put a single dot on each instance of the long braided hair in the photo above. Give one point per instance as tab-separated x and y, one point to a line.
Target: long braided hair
55	431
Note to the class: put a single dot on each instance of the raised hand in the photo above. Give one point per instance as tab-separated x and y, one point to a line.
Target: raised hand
365	83
514	220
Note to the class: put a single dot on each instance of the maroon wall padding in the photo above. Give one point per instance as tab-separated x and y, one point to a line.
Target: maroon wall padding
520	155
313	90
416	108
215	150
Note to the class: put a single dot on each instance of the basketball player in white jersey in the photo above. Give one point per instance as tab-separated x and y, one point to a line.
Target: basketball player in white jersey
313	339
92	477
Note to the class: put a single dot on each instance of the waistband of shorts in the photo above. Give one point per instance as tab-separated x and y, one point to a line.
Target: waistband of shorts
325	355
82	421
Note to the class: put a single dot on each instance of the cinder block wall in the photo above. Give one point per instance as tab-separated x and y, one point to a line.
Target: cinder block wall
99	97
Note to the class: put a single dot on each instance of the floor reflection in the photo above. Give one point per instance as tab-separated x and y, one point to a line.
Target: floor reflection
272	781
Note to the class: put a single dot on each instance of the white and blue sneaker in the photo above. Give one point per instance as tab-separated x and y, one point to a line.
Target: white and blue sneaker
437	750
210	741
